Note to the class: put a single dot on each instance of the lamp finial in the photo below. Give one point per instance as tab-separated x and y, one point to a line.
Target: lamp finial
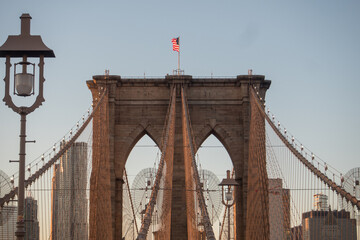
25	24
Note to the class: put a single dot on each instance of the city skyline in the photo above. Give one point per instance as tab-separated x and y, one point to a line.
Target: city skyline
309	50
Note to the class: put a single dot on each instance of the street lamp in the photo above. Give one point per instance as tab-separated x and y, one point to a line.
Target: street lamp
24	46
201	228
227	197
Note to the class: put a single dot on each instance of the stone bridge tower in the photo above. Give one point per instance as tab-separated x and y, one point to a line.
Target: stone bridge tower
134	107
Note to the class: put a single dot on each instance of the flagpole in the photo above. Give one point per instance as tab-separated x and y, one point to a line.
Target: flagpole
179	57
176	47
179	62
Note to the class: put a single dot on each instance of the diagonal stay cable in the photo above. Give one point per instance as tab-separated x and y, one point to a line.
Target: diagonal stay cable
145	225
131	201
199	191
43	169
350	198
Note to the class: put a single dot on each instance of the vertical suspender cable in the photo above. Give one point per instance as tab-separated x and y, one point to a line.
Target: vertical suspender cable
354	201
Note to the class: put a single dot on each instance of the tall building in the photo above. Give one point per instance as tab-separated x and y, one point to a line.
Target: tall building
30	218
329	225
321	202
325	224
8	215
69	200
279	210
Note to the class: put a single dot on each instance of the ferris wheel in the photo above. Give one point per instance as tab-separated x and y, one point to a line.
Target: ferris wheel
212	193
7	212
143	183
352	186
141	190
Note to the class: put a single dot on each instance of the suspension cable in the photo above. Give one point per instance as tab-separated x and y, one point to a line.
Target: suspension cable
350	198
43	169
131	201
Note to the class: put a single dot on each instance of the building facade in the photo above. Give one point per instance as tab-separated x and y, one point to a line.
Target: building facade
8	215
328	225
279	210
69	197
31	220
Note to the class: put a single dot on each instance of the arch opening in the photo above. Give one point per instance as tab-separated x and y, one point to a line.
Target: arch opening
140	167
213	157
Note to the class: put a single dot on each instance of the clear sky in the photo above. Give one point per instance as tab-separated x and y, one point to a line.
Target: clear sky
309	49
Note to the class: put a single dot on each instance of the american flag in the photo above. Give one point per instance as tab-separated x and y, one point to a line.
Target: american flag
175	42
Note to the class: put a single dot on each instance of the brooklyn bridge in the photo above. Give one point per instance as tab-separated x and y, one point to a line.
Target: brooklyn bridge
269	191
276	188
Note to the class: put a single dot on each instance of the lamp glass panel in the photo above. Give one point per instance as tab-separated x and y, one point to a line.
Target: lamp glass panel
24	84
228	196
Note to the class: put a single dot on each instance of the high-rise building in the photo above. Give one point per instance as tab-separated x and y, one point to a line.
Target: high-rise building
30	218
323	223
69	199
321	202
279	209
329	225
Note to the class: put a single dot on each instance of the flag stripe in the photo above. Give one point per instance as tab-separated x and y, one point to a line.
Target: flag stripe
176	45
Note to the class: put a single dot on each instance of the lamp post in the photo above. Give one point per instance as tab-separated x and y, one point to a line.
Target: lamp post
24	46
227	197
